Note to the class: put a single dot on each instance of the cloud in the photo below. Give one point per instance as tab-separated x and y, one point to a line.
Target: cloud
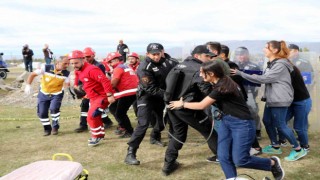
67	25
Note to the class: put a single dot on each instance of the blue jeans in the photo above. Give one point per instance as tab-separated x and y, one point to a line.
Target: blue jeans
300	111
274	118
234	142
48	60
216	122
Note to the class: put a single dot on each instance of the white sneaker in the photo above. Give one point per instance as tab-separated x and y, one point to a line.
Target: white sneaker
254	152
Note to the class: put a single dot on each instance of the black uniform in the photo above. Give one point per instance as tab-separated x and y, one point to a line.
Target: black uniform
304	66
27	59
252	93
150	94
120	49
192	88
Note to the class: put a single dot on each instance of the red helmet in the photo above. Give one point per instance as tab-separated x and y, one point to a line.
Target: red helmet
133	54
76	54
112	56
88	51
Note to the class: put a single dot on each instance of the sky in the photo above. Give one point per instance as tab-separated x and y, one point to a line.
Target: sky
67	25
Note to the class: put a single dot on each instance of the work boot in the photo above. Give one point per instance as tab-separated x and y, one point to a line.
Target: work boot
47	132
81	129
157	142
170	167
54	131
131	156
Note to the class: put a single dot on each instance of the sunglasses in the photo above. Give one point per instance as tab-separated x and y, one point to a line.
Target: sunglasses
87	57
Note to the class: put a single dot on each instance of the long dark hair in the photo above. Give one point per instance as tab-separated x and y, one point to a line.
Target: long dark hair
225	85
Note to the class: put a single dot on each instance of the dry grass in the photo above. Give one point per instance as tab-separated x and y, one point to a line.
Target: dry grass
23	145
21	142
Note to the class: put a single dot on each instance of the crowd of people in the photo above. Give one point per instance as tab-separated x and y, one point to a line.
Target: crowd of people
207	91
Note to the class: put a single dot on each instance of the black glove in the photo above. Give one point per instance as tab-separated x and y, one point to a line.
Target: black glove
97	112
80	93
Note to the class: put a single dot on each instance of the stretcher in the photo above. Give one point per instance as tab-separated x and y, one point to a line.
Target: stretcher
50	170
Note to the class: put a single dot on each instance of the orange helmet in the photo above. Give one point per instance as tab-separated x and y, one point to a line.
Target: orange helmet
112	56
76	54
133	54
88	51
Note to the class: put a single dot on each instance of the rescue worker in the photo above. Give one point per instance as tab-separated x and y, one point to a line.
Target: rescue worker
184	81
124	81
242	58
98	89
54	78
134	61
152	74
89	55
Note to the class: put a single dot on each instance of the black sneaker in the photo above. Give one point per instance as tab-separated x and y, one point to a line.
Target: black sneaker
169	168
213	159
81	129
283	143
125	135
306	147
276	169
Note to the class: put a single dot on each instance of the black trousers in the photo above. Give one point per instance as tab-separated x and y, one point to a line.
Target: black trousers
119	110
180	119
148	108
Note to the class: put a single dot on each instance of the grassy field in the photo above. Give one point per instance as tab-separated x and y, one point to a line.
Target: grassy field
21	142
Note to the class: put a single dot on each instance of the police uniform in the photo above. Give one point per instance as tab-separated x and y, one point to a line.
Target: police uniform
252	93
150	97
304	66
50	95
192	88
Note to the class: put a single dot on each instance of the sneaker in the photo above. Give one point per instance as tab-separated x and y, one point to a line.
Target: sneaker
294	155
54	131
125	135
81	129
90	139
119	131
47	133
271	150
276	169
283	143
306	148
213	159
94	142
255	152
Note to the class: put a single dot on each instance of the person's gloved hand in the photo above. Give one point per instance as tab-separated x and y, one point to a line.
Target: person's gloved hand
28	89
97	112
